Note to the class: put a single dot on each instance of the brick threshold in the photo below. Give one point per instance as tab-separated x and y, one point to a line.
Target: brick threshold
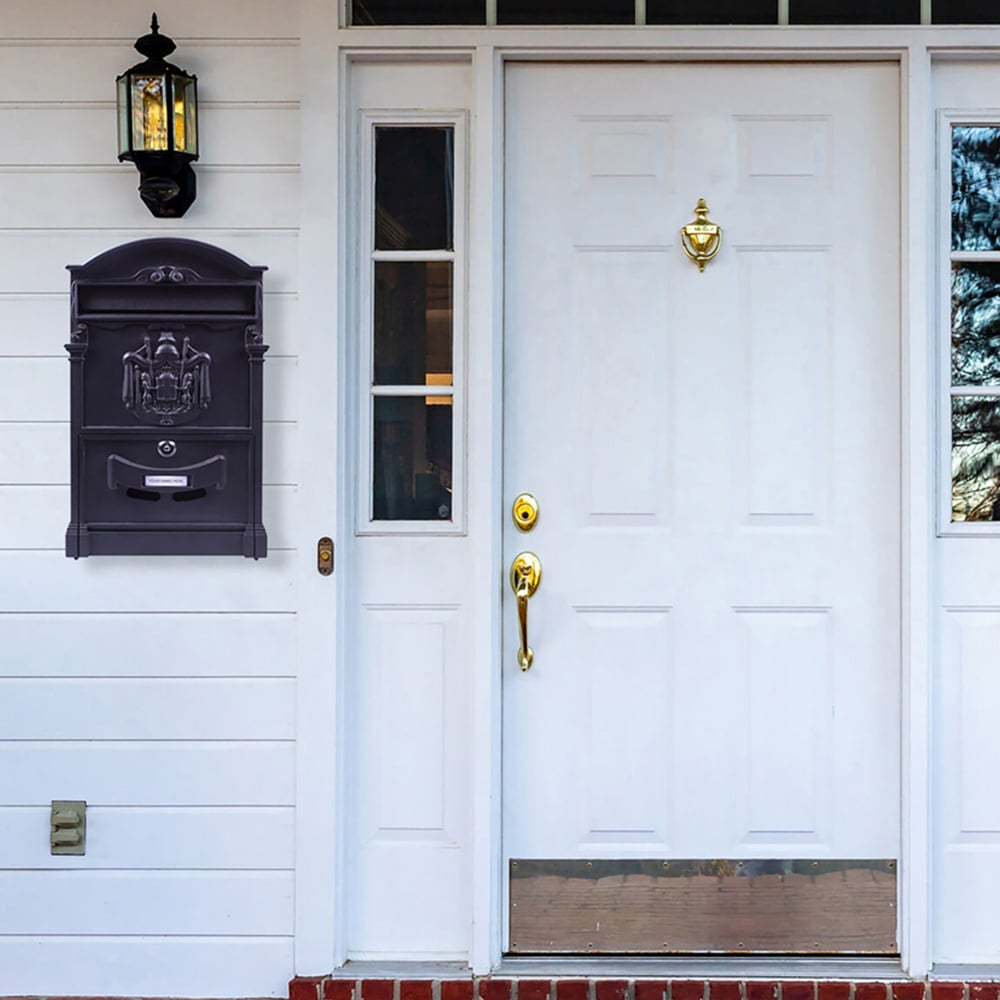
594	988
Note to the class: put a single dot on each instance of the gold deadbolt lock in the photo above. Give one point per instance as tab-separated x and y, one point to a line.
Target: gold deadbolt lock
525	512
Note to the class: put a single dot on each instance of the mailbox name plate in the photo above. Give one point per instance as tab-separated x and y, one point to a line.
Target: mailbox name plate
165	481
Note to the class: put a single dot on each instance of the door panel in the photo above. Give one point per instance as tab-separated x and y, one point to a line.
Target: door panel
716	459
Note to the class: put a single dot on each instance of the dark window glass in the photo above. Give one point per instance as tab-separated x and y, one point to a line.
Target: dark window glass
975	458
418	12
965	11
565	12
413	313
412	458
854	11
712	11
975	324
975	188
414	188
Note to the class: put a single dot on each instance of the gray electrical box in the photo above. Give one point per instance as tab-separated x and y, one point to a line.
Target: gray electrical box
166	356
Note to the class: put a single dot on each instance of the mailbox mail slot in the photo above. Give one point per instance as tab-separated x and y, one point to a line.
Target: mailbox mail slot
166	354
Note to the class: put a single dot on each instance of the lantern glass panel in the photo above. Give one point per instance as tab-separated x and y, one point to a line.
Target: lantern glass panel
123	138
185	115
149	112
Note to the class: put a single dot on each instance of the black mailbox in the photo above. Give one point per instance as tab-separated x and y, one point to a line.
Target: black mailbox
166	354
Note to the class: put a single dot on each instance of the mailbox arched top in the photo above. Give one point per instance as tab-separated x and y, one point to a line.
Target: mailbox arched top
166	260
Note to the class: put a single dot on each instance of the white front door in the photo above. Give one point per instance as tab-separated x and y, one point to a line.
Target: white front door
716	460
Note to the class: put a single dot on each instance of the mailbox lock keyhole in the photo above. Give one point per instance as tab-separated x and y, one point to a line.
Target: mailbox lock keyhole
167	449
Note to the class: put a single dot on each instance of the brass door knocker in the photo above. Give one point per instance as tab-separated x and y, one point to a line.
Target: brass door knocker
700	238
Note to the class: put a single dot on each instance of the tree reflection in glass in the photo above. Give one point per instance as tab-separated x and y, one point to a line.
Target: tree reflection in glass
975	324
975	458
975	187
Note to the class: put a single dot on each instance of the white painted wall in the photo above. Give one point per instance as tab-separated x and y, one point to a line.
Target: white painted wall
161	691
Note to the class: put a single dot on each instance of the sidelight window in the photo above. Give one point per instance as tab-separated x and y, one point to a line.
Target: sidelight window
973	298
412	311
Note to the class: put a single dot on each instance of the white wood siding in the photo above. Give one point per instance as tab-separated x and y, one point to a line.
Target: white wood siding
162	691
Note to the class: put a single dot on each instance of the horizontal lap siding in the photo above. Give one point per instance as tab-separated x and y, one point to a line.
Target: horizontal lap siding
161	691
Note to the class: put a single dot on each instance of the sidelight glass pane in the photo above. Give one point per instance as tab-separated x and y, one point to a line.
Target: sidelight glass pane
412	458
975	324
418	12
414	188
975	458
854	11
712	11
413	322
565	12
975	187
965	12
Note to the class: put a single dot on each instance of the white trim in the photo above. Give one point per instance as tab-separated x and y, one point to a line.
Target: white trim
485	423
917	399
317	843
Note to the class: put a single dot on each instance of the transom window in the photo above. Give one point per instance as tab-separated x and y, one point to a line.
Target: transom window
581	12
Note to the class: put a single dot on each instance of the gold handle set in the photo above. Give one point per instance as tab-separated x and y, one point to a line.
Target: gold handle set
525	576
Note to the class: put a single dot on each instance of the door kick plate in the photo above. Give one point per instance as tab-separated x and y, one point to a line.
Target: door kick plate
816	907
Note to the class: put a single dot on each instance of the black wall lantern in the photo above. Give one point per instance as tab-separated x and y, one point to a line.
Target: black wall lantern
158	126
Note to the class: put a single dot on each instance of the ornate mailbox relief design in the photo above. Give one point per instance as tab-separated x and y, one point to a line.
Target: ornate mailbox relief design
164	385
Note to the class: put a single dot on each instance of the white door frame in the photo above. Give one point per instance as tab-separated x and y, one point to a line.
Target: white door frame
325	508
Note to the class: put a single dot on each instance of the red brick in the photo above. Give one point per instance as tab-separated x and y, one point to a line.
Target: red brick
305	988
915	991
761	991
977	991
572	989
651	989
338	989
376	989
610	989
947	991
871	991
833	991
687	989
494	989
534	989
724	989
415	989
456	989
800	989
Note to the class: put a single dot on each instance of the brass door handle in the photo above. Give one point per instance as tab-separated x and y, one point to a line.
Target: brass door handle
525	576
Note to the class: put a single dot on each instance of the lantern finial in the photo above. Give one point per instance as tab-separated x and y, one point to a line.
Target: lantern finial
154	45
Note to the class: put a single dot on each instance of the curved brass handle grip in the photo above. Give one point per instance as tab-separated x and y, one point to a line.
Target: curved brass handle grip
525	576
